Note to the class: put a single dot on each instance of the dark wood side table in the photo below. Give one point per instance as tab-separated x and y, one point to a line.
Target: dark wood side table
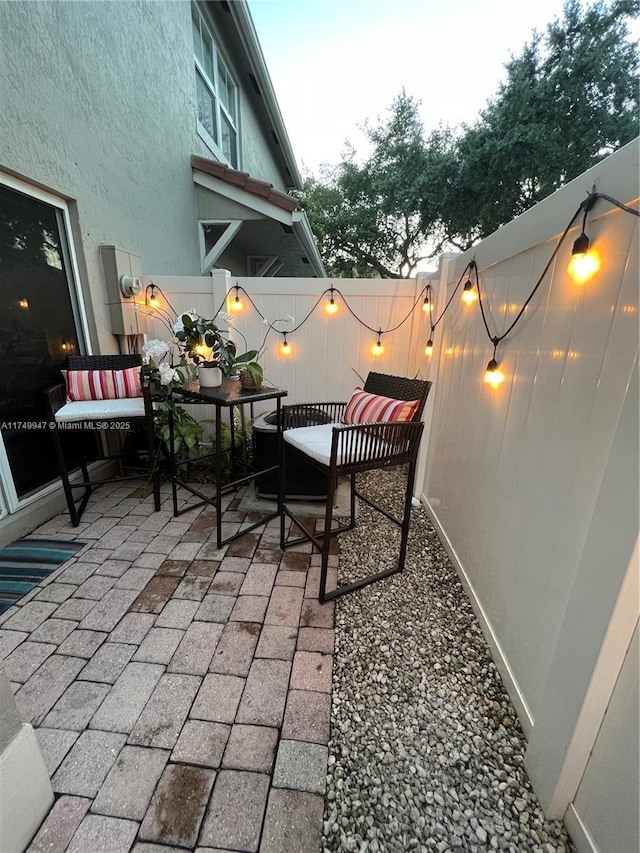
229	394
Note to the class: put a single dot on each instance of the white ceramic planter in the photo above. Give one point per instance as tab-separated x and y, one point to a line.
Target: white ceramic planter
210	376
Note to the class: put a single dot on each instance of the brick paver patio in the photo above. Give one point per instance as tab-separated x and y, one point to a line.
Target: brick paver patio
181	694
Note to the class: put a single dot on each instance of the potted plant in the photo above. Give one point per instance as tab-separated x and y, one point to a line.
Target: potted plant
214	353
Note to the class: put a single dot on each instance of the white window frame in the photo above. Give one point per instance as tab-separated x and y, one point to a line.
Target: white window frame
214	87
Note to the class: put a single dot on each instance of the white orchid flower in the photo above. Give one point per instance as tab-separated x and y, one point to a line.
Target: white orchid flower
289	318
224	317
179	325
167	373
155	350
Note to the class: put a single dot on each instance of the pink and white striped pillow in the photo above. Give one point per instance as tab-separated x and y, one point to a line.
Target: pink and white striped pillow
127	383
365	408
102	384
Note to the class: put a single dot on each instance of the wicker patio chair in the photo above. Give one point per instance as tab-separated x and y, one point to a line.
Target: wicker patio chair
99	413
338	449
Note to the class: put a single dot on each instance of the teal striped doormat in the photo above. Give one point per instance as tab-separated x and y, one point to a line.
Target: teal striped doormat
26	562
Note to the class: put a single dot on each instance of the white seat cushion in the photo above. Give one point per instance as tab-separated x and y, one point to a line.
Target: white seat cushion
98	410
315	442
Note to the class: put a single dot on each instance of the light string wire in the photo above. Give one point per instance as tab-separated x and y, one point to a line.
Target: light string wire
584	208
471	266
329	290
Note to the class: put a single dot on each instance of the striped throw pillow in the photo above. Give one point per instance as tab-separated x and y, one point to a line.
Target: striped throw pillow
85	385
365	408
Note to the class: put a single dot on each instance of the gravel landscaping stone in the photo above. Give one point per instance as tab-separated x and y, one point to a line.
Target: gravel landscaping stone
426	752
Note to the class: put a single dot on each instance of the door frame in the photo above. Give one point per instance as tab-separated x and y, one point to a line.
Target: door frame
8	495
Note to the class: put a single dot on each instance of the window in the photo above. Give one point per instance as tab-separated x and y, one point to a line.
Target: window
216	94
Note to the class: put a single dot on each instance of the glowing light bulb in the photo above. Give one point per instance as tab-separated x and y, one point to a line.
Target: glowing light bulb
584	262
285	347
201	349
469	295
65	345
154	302
377	349
331	307
427	304
428	350
493	375
23	303
237	305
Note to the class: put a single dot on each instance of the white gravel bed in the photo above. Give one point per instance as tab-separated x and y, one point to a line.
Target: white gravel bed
426	751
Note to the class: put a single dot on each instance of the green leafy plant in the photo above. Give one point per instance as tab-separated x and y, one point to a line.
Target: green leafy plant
203	341
187	431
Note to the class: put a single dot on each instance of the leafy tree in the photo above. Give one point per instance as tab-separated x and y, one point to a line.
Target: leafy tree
367	218
570	99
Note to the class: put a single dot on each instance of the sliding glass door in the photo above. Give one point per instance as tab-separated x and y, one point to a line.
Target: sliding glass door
40	324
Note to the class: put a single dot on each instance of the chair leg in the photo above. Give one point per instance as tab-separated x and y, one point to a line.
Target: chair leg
406	518
326	537
153	451
352	506
282	454
75	508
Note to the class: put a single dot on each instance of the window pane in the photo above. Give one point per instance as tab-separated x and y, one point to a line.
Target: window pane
206	108
227	90
207	58
197	43
229	146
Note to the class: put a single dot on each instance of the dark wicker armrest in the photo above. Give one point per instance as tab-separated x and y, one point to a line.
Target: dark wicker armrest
383	443
55	398
311	414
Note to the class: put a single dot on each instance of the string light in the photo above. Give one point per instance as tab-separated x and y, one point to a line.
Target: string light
469	295
285	346
237	305
202	349
23	303
151	299
65	345
584	262
493	375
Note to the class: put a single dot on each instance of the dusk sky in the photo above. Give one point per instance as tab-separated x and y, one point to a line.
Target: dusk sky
336	63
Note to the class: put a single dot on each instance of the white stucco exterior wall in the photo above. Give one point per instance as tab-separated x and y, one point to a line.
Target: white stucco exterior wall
98	106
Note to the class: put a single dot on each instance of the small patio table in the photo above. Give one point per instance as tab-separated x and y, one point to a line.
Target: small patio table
230	393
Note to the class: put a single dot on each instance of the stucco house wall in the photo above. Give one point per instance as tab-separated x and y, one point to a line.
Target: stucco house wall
99	107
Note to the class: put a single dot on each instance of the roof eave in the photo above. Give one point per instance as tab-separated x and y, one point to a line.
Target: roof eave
247	32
